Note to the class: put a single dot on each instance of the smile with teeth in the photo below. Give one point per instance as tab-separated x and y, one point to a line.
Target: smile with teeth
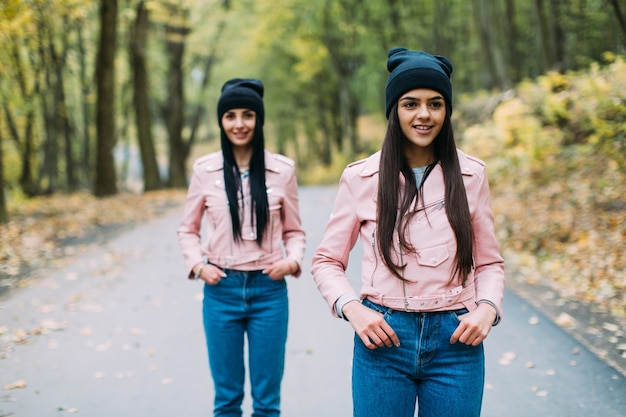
421	127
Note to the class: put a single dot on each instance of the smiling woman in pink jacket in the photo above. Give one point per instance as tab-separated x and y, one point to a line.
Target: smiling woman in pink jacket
247	200
432	277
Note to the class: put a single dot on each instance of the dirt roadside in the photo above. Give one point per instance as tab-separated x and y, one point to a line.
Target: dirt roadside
49	236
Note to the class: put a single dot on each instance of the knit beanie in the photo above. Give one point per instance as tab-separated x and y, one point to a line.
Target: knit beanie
241	93
416	69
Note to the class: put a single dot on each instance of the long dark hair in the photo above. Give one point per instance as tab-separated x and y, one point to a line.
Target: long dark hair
389	219
259	208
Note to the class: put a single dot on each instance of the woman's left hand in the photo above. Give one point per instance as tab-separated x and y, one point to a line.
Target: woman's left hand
280	269
474	326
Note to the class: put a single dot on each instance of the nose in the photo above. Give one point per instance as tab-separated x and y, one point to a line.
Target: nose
238	121
422	111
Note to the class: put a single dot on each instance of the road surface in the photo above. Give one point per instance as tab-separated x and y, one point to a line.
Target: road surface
118	332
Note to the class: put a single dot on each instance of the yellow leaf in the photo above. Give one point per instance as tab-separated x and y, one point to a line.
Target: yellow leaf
16	385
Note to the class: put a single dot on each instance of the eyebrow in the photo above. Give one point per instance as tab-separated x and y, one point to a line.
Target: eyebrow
245	111
417	99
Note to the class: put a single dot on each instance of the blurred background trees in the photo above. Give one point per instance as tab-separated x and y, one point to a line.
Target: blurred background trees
107	95
117	97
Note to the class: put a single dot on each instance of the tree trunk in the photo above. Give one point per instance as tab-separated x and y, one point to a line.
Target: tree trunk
105	181
206	76
47	179
85	89
176	33
492	54
621	19
62	120
441	33
512	40
325	148
4	216
558	35
137	49
27	180
545	42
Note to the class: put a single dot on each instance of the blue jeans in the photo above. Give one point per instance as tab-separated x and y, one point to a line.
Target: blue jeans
447	380
252	304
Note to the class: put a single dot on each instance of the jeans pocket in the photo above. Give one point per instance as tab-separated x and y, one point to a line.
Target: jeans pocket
376	307
456	313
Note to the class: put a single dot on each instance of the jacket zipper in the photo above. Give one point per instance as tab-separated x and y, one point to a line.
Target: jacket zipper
271	236
374	256
430	209
406	302
212	237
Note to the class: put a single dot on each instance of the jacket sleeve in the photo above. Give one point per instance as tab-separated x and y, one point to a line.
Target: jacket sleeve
189	236
293	235
489	264
331	257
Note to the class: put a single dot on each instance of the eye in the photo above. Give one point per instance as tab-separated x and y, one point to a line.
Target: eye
409	104
437	104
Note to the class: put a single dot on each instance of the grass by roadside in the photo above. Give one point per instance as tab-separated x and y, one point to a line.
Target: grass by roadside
47	232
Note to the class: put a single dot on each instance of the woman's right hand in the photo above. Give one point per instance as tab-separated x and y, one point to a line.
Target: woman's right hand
211	274
370	326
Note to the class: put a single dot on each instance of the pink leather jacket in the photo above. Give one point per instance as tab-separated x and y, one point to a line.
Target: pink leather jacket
207	195
428	272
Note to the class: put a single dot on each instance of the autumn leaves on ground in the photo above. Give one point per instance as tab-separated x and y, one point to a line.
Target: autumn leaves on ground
47	232
556	156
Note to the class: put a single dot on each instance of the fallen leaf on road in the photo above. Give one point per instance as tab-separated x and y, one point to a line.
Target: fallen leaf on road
565	320
50	324
135	330
104	346
48	308
71	276
71	410
507	358
16	385
91	308
20	337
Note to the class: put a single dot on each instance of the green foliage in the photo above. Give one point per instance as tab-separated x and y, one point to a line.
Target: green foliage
323	64
556	158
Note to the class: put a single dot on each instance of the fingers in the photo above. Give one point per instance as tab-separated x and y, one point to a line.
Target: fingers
370	326
279	269
380	336
211	274
472	330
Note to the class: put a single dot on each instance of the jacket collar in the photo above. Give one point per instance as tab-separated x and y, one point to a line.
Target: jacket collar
371	165
215	162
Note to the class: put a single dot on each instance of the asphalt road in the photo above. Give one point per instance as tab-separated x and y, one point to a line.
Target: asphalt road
118	332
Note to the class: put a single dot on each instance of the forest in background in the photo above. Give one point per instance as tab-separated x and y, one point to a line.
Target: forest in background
89	114
117	94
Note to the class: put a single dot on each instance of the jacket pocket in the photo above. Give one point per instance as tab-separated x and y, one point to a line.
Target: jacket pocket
433	257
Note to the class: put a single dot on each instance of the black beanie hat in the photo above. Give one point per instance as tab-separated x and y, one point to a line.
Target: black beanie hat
241	93
416	69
